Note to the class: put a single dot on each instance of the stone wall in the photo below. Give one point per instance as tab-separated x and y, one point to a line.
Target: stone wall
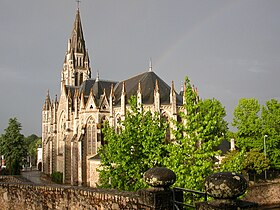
264	194
30	196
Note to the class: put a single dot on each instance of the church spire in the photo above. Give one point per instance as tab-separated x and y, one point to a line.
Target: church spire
78	4
76	68
77	36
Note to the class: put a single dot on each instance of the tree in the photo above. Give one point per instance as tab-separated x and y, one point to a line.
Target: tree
138	147
233	161
255	161
247	121
12	146
252	161
191	155
253	126
271	127
32	143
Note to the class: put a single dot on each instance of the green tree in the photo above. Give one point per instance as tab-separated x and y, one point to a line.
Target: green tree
271	128
252	161
137	147
255	161
233	161
12	146
247	121
32	143
191	155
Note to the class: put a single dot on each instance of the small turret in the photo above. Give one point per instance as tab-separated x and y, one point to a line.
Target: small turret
111	104
47	104
173	99
139	95
156	97
123	100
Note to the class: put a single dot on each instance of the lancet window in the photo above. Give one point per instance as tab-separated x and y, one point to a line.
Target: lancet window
91	136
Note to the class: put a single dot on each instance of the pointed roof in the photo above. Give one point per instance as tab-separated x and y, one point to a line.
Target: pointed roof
47	103
148	82
77	42
97	86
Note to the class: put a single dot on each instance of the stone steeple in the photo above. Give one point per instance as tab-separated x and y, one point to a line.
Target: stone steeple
77	42
76	67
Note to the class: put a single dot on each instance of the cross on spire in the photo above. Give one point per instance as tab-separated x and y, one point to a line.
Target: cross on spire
78	3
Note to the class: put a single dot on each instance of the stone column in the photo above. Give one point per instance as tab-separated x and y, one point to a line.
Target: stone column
225	188
72	163
51	156
159	195
80	161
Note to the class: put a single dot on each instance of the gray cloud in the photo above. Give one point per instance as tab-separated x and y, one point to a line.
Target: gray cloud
229	49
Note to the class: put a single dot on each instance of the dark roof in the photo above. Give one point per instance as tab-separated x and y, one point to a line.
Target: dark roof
97	86
72	90
224	147
147	81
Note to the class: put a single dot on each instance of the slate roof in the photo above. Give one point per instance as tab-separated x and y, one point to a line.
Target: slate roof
147	81
97	86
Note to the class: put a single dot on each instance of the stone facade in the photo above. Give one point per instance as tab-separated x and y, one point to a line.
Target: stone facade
72	123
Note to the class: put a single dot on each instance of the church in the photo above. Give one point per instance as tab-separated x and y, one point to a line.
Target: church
72	123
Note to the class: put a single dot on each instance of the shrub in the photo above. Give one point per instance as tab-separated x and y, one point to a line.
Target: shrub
57	177
4	171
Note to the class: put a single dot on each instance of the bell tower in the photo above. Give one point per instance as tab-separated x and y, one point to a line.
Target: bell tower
76	67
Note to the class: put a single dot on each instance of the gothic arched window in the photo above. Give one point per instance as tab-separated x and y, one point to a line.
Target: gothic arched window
76	79
81	78
91	137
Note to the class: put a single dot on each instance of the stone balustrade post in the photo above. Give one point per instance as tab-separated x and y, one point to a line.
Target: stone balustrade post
225	188
159	195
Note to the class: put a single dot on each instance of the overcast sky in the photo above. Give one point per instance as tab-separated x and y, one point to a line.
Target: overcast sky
229	48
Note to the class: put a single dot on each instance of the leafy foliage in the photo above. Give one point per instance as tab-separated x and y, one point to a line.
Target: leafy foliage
255	161
32	143
248	123
253	126
192	154
271	127
233	161
140	144
57	177
242	161
12	146
138	147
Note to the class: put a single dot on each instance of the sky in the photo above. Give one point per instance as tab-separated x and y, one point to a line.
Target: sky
228	49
